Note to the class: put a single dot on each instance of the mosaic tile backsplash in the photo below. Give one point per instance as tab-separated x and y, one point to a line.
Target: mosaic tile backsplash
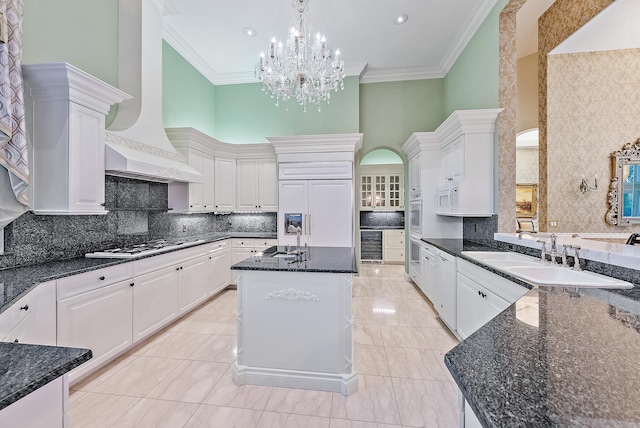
137	213
382	219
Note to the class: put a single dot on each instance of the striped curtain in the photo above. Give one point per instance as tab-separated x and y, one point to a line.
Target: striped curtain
14	195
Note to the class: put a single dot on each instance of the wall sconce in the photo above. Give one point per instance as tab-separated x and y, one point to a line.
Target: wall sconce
584	187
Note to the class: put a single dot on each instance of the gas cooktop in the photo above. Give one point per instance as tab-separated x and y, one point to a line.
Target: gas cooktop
145	249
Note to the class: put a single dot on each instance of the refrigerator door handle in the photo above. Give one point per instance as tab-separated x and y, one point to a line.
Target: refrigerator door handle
305	224
309	224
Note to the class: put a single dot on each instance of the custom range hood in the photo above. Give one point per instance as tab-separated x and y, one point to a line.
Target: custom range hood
136	144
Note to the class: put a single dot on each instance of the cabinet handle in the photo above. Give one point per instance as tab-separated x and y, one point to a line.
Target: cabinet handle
24	308
132	284
16	341
101	278
178	268
209	257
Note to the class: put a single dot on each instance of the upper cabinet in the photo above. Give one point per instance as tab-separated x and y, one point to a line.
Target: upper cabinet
236	176
415	176
257	184
382	187
65	111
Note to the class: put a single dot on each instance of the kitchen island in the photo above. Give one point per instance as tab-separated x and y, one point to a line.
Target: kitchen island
295	319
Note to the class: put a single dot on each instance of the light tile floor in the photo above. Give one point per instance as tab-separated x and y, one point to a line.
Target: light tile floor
181	377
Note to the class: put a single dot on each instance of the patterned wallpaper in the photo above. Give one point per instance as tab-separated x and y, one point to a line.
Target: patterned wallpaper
593	106
526	165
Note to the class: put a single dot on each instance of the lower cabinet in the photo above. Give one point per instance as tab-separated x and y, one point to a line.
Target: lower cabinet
428	285
46	407
218	276
244	248
481	296
192	278
32	319
393	245
444	294
154	301
100	320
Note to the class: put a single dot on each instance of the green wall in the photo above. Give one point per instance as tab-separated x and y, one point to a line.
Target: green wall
390	112
188	98
472	82
80	32
245	114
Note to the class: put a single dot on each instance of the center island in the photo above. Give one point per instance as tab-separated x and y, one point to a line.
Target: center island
295	319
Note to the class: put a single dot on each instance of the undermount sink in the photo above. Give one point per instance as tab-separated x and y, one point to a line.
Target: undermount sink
532	270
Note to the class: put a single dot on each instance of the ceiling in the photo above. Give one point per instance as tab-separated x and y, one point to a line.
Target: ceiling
209	34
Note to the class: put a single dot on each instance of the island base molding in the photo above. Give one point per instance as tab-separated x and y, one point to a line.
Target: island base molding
342	383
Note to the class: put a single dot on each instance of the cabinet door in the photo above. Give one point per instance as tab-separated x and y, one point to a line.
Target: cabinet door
37	323
415	176
192	277
238	255
476	306
225	184
380	189
395	194
208	192
196	190
218	277
429	275
268	185
293	198
99	320
446	288
366	191
330	219
247	182
154	301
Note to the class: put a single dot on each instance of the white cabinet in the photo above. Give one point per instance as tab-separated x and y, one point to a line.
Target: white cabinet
466	160
257	182
32	319
326	210
192	278
481	296
218	276
225	184
445	288
394	244
194	197
428	285
46	407
154	301
65	109
385	191
100	320
415	176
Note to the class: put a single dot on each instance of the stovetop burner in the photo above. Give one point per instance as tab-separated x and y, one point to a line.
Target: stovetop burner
147	248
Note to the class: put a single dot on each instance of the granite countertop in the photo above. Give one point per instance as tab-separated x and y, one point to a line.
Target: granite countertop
25	368
315	259
381	227
556	357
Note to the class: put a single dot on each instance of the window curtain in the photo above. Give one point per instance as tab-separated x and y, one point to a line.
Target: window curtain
14	177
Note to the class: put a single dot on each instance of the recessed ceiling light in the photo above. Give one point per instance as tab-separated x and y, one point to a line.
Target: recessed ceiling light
249	32
401	19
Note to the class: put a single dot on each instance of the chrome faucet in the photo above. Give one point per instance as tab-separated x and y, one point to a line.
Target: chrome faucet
554	247
543	251
576	257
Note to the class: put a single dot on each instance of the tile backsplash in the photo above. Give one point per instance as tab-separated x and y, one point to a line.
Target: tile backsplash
137	213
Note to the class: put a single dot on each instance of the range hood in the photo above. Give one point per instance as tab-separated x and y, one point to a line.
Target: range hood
136	144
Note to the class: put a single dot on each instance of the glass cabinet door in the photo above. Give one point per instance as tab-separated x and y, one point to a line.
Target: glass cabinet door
366	191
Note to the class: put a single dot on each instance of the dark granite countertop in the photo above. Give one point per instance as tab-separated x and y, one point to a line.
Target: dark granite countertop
557	357
25	368
381	227
315	259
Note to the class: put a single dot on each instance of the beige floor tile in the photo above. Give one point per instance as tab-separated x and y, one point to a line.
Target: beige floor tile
228	417
157	413
425	403
100	375
367	334
190	382
345	423
397	318
175	344
203	323
300	402
404	337
374	401
287	420
371	360
139	377
93	410
228	329
227	394
439	339
216	348
427	319
414	363
419	305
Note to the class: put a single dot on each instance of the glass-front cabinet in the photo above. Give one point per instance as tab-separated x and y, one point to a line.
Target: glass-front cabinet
381	190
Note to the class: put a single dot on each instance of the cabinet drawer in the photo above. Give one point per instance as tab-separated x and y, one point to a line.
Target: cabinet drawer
150	264
394	241
507	290
81	283
263	244
242	243
394	255
218	246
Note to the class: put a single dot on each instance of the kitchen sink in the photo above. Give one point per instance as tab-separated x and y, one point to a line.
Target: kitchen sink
532	270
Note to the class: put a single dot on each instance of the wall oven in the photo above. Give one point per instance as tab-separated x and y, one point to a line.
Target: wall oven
415	261
415	217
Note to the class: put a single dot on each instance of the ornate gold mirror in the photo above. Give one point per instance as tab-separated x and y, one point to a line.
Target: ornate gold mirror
624	190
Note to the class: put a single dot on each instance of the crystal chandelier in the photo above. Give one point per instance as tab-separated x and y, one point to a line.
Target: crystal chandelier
304	69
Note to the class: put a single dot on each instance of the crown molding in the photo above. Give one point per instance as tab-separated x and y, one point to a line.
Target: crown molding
166	7
472	24
399	74
188	53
